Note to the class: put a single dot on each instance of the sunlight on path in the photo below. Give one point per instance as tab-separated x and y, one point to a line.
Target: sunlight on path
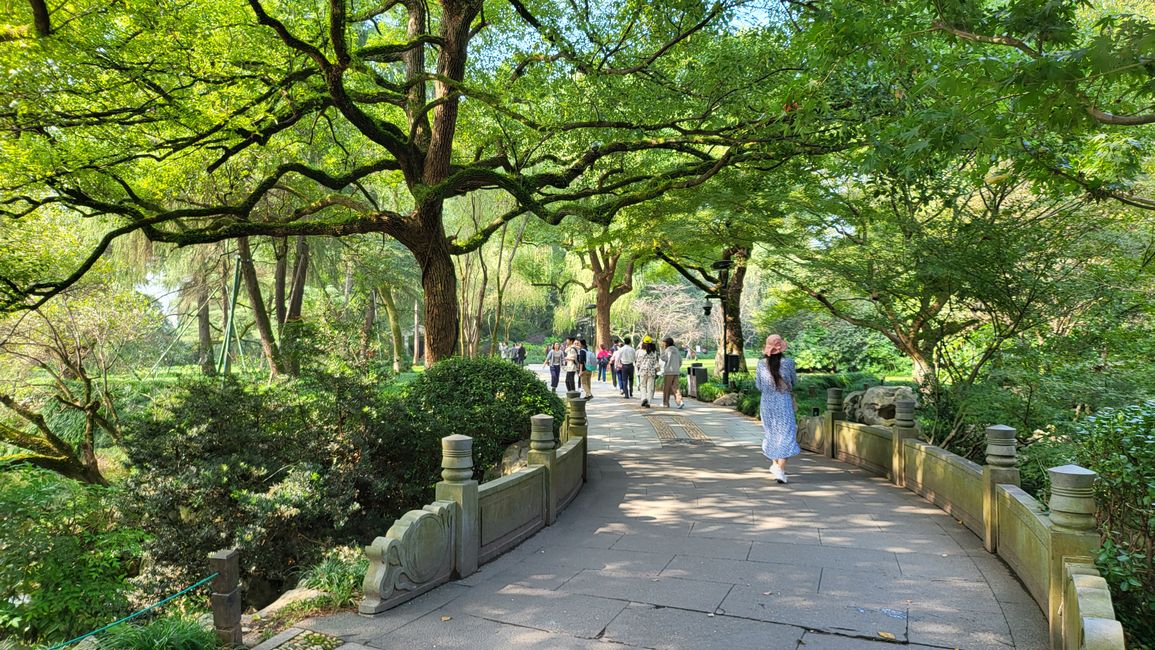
692	545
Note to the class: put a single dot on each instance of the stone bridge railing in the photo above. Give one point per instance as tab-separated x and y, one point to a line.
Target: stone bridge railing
1052	550
471	524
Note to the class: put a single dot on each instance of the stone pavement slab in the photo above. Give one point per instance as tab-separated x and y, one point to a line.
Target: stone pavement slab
695	546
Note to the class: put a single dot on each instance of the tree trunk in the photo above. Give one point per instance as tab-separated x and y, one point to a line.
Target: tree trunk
260	315
368	325
395	326
605	269
300	272
289	352
439	282
732	308
417	355
207	359
281	248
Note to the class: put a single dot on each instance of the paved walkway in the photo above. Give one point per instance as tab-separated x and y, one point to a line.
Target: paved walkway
680	542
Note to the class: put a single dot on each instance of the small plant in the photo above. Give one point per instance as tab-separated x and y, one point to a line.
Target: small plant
339	574
171	633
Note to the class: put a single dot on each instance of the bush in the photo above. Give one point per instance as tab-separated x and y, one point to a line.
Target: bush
269	467
287	469
1119	444
487	399
64	556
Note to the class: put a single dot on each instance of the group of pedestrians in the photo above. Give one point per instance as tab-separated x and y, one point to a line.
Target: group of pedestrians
774	377
577	361
514	353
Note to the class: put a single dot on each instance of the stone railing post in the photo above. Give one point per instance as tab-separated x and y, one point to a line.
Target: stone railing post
833	414
1073	534
1000	469
226	596
564	434
577	425
543	451
458	485
904	427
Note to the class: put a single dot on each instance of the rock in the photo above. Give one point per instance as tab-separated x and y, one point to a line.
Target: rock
877	406
288	598
851	406
729	399
516	457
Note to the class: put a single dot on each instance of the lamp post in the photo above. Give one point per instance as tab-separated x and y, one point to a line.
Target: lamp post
723	268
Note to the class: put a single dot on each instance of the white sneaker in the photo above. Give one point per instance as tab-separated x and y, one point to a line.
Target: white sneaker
776	473
782	478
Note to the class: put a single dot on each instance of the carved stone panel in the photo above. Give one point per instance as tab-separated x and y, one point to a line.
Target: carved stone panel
415	556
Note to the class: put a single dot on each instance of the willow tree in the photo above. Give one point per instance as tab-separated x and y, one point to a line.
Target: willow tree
292	116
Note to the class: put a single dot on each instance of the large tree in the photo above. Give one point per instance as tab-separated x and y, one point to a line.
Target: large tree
289	117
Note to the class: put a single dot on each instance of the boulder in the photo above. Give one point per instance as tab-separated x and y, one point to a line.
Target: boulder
290	597
851	405
516	457
877	404
729	399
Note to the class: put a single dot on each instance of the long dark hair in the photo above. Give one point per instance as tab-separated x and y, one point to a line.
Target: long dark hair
649	347
774	364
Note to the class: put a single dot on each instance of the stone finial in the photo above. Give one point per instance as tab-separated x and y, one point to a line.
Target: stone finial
1072	498
541	432
834	400
456	458
1001	449
904	413
575	408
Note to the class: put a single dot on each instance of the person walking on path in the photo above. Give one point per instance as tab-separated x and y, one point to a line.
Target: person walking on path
570	366
603	362
616	366
627	356
671	373
553	360
520	354
648	366
775	377
587	362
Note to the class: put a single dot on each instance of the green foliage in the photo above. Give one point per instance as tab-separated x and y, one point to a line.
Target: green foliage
169	633
64	557
339	574
1119	444
272	467
488	399
296	466
837	345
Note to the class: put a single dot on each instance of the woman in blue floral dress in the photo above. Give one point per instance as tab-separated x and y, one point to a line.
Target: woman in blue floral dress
775	378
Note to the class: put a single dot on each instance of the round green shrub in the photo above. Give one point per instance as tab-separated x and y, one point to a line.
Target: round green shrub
487	399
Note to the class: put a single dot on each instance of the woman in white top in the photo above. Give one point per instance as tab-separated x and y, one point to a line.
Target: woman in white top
647	365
